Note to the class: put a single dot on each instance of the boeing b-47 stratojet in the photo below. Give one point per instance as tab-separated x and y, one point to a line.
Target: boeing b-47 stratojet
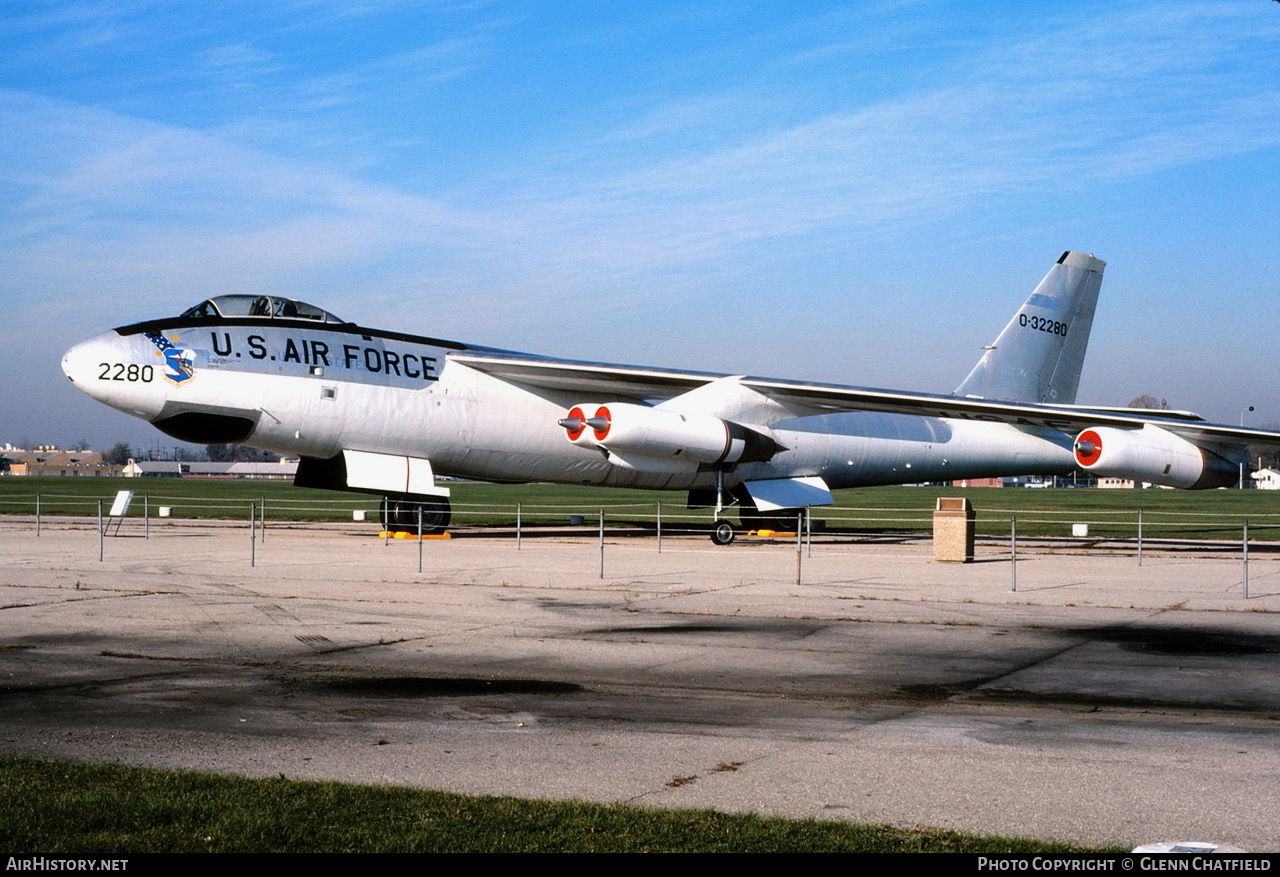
386	412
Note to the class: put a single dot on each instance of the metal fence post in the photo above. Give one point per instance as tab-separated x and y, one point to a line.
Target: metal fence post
101	537
1245	544
659	521
1013	553
1139	537
517	526
808	528
602	543
253	535
799	545
419	537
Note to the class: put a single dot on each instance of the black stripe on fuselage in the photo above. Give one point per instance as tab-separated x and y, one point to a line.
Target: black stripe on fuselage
313	325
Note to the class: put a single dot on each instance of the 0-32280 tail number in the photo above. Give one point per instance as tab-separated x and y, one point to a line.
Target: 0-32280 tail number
1053	327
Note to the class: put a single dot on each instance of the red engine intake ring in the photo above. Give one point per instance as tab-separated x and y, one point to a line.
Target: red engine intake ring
1088	448
575	415
601	430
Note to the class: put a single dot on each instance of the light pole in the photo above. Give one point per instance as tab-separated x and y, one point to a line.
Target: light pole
1240	482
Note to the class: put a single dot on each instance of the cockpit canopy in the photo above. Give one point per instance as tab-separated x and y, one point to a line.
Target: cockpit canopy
267	307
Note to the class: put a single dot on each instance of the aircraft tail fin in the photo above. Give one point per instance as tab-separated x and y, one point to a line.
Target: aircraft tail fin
1039	355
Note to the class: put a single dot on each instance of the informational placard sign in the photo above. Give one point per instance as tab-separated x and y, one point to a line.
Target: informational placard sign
120	507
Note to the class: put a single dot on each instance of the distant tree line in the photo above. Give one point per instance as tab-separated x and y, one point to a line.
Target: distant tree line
118	454
1151	403
121	453
238	454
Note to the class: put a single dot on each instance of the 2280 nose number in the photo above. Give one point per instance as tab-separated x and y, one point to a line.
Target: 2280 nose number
120	371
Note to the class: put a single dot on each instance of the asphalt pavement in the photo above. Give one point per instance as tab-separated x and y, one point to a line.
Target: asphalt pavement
1101	702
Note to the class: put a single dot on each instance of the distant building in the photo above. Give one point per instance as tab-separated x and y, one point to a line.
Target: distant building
279	470
978	482
1117	482
285	469
50	461
1266	479
1006	481
174	469
47	460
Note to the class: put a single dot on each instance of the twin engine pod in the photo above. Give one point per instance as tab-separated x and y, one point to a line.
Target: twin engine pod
1153	455
640	437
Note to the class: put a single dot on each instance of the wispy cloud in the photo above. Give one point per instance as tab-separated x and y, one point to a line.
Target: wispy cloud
1100	100
1119	96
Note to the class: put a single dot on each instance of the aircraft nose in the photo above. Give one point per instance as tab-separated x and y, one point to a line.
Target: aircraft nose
111	369
78	362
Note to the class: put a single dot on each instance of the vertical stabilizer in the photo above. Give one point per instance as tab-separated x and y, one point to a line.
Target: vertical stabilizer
1038	356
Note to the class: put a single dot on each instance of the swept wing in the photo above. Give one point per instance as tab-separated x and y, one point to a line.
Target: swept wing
633	383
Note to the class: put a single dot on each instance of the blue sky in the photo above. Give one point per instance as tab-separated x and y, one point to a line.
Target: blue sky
851	192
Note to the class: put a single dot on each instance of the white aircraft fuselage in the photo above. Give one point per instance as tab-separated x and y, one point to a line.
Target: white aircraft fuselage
387	412
314	390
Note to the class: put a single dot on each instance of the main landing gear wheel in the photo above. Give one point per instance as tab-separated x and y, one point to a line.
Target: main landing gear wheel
722	533
401	515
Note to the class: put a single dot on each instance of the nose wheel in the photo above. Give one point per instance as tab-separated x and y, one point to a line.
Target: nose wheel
723	533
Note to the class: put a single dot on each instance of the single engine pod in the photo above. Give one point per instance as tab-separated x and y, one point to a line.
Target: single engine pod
1152	455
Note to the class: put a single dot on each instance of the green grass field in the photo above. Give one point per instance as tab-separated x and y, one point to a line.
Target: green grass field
1214	514
53	808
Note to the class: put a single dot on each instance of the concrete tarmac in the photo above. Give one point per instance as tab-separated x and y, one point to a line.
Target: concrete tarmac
1101	703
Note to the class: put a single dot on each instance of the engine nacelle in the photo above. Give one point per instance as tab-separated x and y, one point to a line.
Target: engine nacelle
627	430
1153	455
